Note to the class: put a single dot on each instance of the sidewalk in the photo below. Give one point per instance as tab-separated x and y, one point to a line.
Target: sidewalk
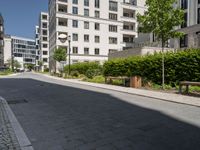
175	98
12	136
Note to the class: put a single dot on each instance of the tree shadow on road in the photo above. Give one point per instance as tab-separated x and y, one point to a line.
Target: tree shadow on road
60	117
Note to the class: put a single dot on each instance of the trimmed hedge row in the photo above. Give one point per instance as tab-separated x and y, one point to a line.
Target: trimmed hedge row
179	66
89	69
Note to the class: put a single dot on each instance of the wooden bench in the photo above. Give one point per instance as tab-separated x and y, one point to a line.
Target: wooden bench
187	84
109	80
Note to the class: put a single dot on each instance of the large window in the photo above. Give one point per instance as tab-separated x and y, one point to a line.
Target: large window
86	38
75	10
75	37
86	12
75	1
184	4
113	6
86	25
185	21
86	2
184	41
75	50
97	14
198	15
97	26
97	39
86	51
96	51
112	28
112	40
96	4
75	23
112	16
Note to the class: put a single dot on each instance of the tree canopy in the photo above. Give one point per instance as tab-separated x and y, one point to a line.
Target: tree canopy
161	18
60	54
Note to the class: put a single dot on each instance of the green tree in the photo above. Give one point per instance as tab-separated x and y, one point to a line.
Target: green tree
59	55
161	18
16	64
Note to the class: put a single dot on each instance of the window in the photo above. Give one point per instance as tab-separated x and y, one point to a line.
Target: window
75	23
198	1
75	50
45	60
97	26
44	25
184	41
86	51
44	17
86	12
86	2
97	39
75	37
45	53
198	15
86	38
112	28
112	40
75	10
185	21
62	22
45	39
44	45
96	51
97	14
112	16
184	4
86	25
96	4
113	6
44	32
112	51
75	1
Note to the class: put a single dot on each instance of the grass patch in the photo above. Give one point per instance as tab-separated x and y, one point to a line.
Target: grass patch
5	73
96	79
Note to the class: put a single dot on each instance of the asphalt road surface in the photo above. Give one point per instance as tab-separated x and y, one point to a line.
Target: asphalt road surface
58	115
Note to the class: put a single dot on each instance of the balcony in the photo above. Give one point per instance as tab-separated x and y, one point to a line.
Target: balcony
130	2
62	8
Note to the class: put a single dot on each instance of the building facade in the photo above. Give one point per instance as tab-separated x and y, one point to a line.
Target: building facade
1	41
23	50
43	37
37	44
7	49
95	27
191	26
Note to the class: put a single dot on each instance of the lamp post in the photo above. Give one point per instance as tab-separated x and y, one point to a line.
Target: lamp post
63	38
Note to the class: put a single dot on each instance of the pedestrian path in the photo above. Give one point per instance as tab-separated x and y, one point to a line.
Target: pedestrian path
176	98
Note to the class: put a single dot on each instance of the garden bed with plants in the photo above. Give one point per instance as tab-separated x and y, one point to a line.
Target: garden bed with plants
179	66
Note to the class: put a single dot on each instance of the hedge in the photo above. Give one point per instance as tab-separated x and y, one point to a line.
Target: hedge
90	69
179	66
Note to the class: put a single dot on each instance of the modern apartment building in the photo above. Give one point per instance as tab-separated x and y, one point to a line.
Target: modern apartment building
94	27
1	41
23	50
37	44
191	26
42	37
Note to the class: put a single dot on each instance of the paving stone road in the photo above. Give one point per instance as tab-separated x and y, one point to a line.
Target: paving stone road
58	115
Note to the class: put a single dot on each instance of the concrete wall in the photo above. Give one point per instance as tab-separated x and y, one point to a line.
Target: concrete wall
136	52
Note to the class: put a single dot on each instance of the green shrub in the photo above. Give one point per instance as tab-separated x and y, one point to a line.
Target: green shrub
46	70
179	66
74	73
96	79
85	68
90	73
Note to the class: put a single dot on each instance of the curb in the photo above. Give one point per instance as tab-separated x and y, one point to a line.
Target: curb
23	140
180	98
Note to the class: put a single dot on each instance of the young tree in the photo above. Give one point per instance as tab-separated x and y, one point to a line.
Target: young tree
60	55
161	18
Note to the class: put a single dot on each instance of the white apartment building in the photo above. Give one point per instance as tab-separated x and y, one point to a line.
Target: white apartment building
1	41
191	26
37	44
95	27
42	32
22	49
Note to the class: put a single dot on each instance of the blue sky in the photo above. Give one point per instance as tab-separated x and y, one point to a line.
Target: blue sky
21	16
